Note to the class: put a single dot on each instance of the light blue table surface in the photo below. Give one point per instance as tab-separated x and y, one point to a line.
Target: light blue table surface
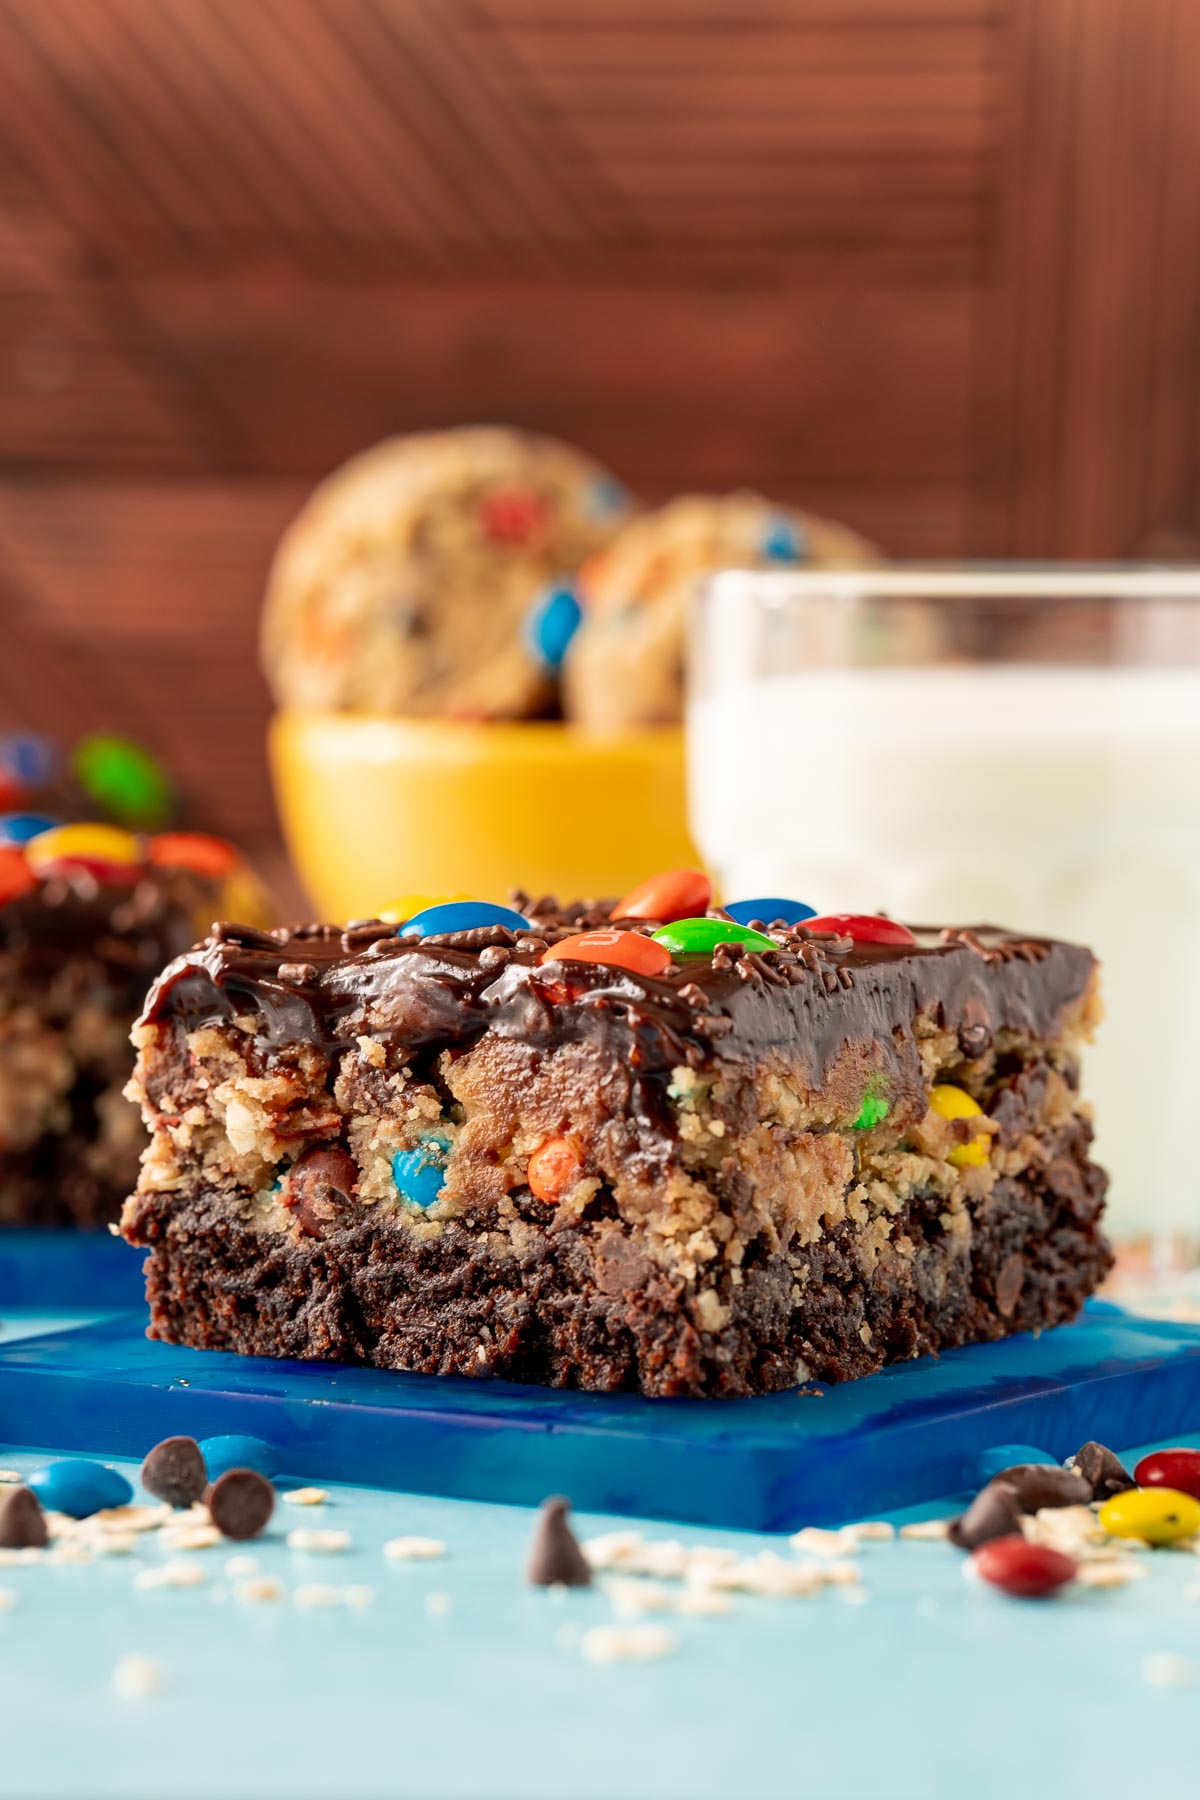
934	1686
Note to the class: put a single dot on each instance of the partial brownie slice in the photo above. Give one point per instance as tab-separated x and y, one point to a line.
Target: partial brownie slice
81	940
466	1155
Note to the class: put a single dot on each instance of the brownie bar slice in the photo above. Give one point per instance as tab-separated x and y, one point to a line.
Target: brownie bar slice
460	1155
81	942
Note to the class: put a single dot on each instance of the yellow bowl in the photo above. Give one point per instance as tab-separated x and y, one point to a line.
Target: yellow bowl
373	808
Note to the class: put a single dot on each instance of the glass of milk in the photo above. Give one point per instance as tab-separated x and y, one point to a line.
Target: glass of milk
1018	747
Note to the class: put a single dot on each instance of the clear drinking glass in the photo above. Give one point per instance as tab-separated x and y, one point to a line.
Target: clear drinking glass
1017	746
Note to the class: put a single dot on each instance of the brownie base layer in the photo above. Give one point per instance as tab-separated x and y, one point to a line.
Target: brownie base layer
584	1309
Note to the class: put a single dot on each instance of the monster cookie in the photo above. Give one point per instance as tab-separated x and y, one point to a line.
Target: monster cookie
610	1147
88	915
625	666
427	577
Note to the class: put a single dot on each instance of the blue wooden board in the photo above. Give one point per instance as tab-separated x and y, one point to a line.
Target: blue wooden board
914	1432
69	1270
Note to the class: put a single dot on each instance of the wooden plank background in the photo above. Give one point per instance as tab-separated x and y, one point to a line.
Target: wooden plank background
931	265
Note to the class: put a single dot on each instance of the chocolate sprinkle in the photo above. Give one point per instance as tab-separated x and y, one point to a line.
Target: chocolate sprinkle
174	1471
22	1521
240	1503
555	1559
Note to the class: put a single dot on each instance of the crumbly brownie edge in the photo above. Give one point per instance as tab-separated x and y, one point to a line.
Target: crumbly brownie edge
584	1309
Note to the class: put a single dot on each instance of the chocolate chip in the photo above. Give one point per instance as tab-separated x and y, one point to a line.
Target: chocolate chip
1043	1484
240	1503
1104	1472
320	1188
1009	1283
554	1556
174	1471
22	1521
994	1512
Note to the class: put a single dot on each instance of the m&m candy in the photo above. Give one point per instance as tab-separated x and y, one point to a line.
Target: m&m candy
16	876
235	1450
1178	1469
462	915
950	1102
619	949
194	850
784	542
554	1167
1029	1571
97	846
513	515
420	1174
20	827
700	937
78	1487
125	779
675	894
1157	1515
770	911
864	928
872	1112
551	625
28	758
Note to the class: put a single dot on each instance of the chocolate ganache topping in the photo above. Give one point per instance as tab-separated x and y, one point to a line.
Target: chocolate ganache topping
808	997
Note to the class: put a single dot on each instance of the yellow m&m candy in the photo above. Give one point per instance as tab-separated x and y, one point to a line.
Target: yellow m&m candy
1156	1515
82	843
955	1103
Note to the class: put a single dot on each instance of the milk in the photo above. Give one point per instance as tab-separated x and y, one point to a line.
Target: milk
1052	800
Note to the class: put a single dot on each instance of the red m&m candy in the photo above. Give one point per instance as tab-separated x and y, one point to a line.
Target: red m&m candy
194	850
675	894
553	1168
864	928
1030	1571
16	876
1178	1469
513	515
620	949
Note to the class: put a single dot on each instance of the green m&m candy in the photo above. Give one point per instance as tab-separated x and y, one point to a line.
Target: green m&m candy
700	937
125	779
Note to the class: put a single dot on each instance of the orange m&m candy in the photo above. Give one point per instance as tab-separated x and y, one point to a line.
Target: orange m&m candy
621	949
553	1167
675	894
194	850
16	876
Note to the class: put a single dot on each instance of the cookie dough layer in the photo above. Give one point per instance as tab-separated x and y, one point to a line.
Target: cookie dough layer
728	1227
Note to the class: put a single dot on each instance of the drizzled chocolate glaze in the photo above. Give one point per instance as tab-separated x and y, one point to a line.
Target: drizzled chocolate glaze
326	985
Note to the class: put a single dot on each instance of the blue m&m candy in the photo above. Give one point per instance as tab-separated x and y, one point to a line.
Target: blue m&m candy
792	912
462	915
552	624
784	542
606	496
234	1450
28	757
420	1173
79	1488
18	827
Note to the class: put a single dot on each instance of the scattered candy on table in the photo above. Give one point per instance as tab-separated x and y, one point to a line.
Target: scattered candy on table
950	1102
555	1556
22	1521
1028	1571
234	1450
175	1471
1178	1469
618	949
772	911
1157	1515
78	1487
675	894
462	915
241	1503
420	1174
552	623
863	928
553	1167
700	937
1007	1456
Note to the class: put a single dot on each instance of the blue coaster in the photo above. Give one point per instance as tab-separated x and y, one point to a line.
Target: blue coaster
61	1271
913	1433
